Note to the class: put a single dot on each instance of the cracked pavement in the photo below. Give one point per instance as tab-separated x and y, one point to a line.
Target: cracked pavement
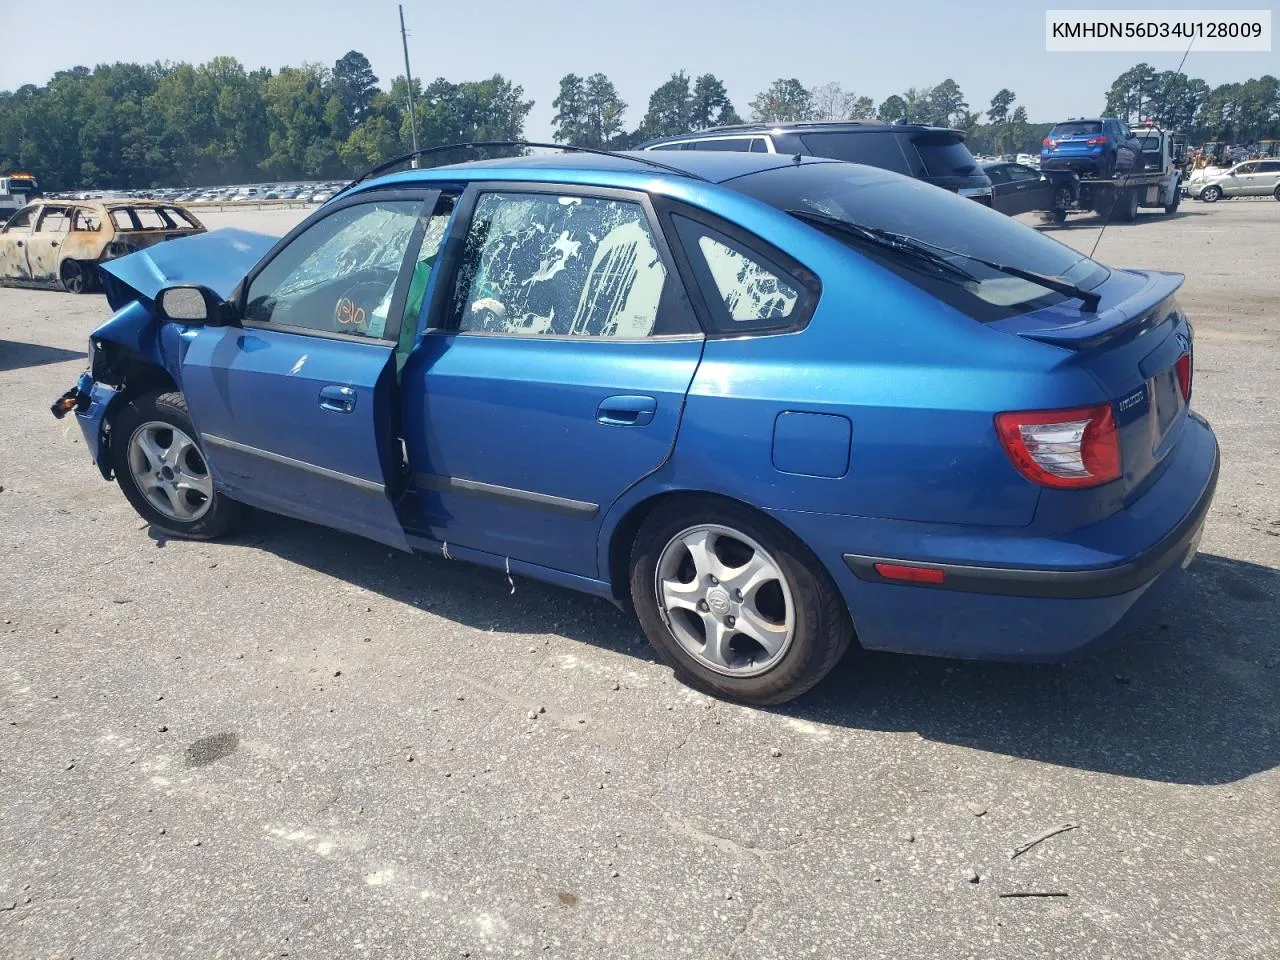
297	743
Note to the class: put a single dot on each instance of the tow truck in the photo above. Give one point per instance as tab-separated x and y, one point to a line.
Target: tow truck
16	191
1157	184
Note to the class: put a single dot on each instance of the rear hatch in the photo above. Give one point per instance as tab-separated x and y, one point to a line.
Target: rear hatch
1076	139
1134	347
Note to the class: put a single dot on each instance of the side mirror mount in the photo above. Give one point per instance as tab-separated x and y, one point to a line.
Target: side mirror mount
193	305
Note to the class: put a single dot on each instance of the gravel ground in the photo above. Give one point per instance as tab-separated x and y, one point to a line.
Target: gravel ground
296	743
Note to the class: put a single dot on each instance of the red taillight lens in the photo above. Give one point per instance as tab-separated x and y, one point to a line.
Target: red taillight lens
1063	448
1094	141
1184	370
906	574
1046	142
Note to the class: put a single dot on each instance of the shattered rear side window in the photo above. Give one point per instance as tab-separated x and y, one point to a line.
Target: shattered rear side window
86	220
559	265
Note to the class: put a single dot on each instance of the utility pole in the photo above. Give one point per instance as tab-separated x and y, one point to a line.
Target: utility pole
408	78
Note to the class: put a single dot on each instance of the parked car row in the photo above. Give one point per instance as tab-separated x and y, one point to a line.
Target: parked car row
313	192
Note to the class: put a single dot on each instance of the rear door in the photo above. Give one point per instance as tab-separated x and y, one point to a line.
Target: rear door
44	246
554	375
296	406
1028	190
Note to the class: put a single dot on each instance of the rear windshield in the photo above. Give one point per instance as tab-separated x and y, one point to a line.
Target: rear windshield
874	149
1080	128
920	210
945	157
1150	143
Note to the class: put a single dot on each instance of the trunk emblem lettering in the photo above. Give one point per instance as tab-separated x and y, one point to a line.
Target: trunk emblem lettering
1131	401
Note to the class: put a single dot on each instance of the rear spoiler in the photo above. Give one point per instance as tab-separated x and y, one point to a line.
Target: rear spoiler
1128	317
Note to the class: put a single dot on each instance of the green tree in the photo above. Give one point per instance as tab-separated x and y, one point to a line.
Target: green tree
670	108
604	110
1131	93
892	109
783	100
571	111
944	105
711	106
998	112
354	84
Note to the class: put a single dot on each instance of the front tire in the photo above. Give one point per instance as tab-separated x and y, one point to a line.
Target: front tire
162	471
735	604
1276	194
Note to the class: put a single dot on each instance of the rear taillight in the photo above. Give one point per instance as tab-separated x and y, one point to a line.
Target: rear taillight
1047	142
1184	370
1095	141
1063	448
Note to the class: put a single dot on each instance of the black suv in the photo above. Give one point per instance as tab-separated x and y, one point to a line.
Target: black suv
936	155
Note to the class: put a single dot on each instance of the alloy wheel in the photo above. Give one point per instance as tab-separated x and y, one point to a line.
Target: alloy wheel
725	600
170	471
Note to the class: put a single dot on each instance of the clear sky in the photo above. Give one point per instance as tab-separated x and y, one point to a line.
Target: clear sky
873	49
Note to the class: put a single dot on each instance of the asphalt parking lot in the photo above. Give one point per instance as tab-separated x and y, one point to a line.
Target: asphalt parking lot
298	743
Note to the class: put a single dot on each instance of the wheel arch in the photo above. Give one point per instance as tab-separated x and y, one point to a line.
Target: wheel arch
134	375
619	537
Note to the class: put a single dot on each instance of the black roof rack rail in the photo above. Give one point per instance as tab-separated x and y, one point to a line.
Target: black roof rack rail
485	144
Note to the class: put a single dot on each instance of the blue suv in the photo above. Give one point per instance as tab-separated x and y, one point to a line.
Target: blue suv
1102	147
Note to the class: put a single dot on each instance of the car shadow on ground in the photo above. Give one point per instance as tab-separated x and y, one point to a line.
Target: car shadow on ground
1093	221
1192	696
14	355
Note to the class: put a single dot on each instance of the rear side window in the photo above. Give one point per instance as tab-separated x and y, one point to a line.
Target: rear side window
559	265
1269	166
945	157
743	284
874	149
998	174
1078	128
877	200
733	144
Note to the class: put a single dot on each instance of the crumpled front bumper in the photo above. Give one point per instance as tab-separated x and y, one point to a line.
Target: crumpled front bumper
90	401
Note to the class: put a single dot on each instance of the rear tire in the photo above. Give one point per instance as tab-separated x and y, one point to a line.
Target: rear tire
75	277
1128	204
682	601
158	463
1211	194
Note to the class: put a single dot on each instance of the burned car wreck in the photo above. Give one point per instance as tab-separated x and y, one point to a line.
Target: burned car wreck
61	243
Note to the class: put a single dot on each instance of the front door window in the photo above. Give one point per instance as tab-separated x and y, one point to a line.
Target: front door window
338	276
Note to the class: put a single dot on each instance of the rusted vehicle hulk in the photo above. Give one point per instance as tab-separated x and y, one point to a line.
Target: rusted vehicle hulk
61	242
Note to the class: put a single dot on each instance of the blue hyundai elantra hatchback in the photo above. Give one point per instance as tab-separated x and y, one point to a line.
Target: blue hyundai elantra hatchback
777	404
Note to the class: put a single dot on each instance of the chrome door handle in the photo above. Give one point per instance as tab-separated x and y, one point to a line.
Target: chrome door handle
337	398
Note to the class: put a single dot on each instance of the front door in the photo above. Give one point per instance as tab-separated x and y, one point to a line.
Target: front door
13	244
555	374
296	405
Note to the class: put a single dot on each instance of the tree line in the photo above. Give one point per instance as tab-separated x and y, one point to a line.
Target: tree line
136	125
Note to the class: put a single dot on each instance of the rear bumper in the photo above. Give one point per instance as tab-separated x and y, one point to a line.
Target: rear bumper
1053	583
1012	595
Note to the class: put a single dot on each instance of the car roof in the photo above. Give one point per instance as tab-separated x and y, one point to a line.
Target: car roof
103	205
628	168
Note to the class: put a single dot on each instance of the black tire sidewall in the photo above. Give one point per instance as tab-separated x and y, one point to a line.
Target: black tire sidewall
823	628
1210	195
167	407
78	267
